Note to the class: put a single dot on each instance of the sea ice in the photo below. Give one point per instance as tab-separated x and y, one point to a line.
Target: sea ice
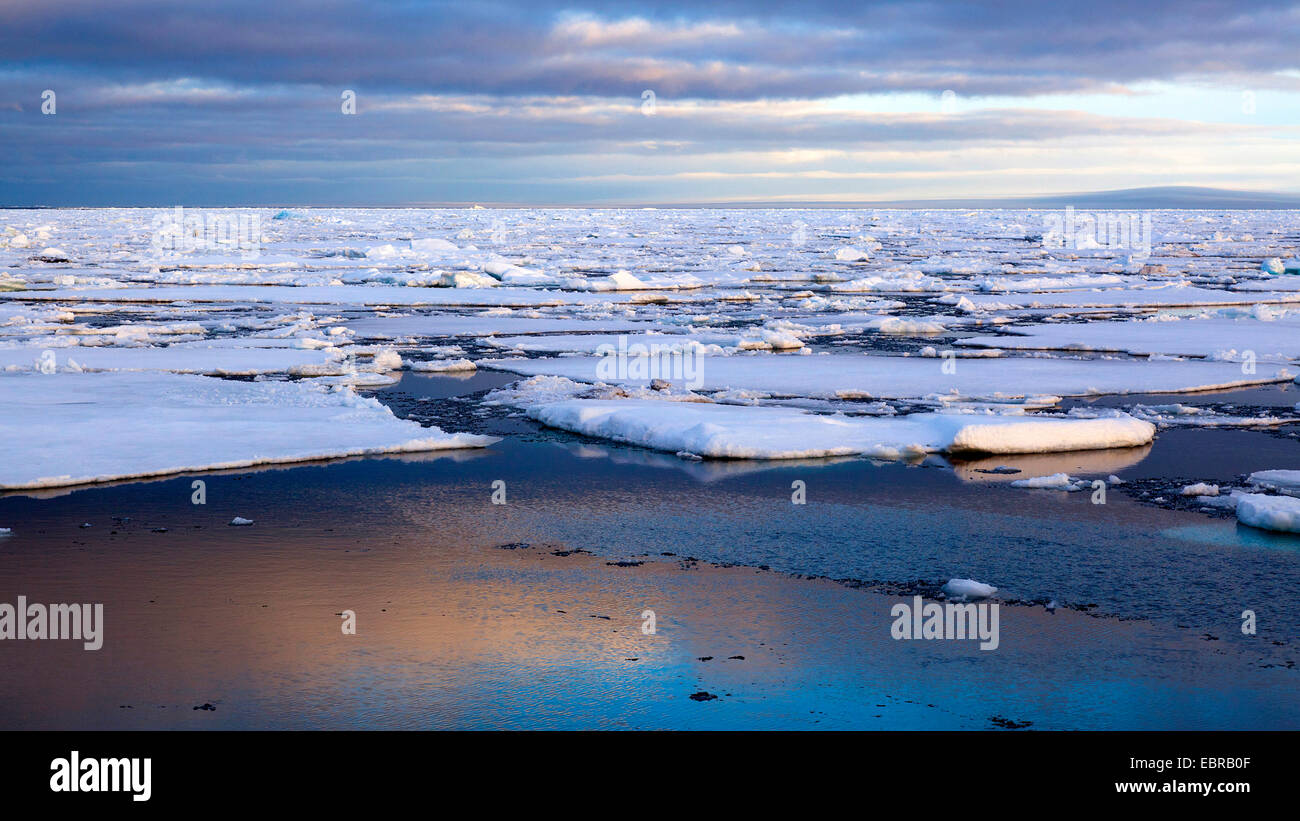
747	432
81	428
1286	482
1281	513
964	590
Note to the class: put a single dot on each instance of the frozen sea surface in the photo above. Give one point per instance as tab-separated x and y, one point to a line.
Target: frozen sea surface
789	326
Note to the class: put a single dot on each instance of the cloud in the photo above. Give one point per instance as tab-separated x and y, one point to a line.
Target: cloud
507	91
730	50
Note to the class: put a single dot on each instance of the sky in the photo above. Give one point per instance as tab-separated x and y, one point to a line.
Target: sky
533	102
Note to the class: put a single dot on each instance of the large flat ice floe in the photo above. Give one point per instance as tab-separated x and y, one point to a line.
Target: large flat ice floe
327	295
895	377
184	358
1221	338
1184	296
75	428
731	432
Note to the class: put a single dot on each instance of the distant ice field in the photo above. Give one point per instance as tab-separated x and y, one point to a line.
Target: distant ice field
720	333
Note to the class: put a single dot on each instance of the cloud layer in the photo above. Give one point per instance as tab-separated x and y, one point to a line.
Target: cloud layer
529	102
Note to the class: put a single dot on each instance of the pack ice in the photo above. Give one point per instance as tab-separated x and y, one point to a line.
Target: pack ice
809	333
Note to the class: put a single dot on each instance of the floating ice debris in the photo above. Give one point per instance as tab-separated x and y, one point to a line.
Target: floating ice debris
1286	482
618	281
4	531
387	360
964	590
1200	489
1280	513
434	245
1272	265
1051	606
1057	481
1114	480
467	279
850	254
442	366
46	363
240	521
51	255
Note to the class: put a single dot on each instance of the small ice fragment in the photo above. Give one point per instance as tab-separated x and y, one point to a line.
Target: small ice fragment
1002	470
1273	265
1200	489
240	521
1057	481
388	360
968	590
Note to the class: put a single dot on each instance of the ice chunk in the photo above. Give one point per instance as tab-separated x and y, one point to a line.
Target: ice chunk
618	281
964	590
467	279
442	366
432	246
1286	482
1281	513
1057	481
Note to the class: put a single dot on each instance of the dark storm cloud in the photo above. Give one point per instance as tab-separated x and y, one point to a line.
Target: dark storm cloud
201	98
730	50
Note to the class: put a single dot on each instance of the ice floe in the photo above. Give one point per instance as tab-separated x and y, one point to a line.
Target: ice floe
897	377
731	432
100	427
1280	513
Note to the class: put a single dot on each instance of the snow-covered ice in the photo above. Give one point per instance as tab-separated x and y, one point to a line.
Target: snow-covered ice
97	427
895	377
732	432
1286	482
1280	513
963	590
